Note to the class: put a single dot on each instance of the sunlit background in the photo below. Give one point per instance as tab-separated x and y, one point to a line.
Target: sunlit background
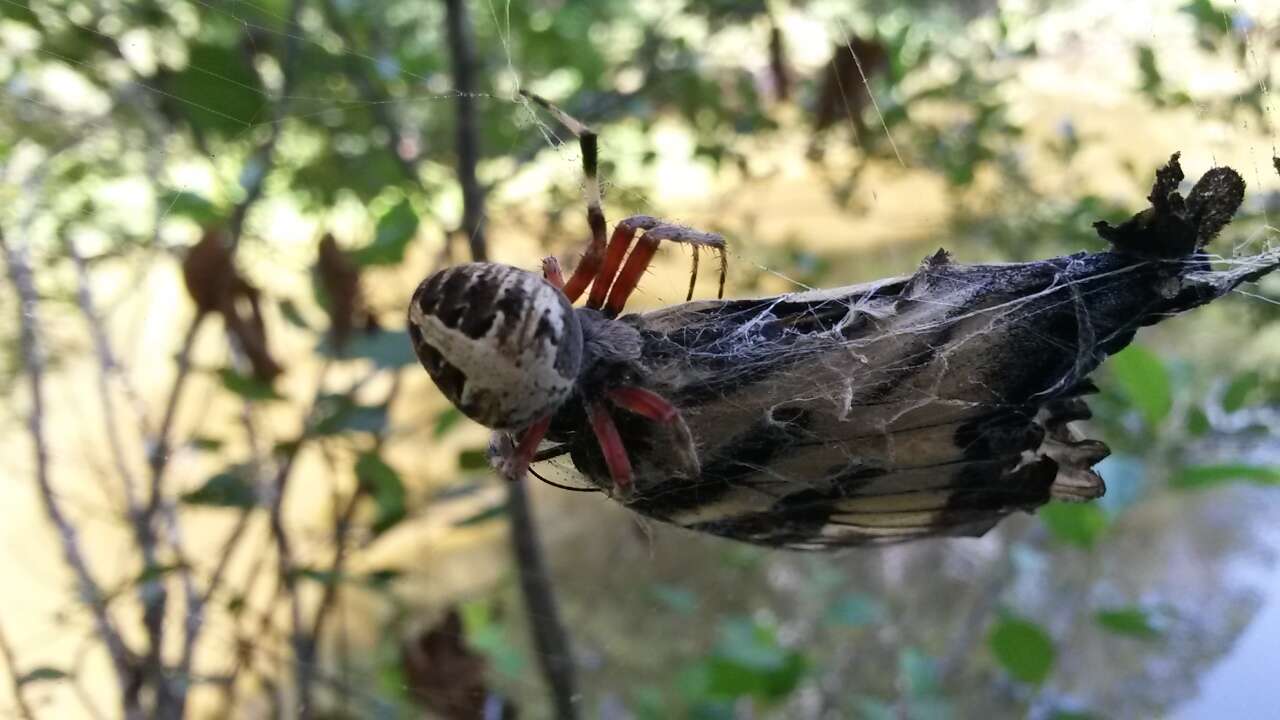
276	514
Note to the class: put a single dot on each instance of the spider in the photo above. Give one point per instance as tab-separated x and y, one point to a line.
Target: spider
509	349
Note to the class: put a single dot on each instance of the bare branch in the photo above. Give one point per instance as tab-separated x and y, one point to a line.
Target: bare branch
89	590
550	638
468	136
15	677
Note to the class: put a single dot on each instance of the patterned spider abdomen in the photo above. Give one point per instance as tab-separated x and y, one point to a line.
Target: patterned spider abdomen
501	343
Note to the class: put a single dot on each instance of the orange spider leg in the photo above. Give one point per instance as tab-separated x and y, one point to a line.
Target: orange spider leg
623	233
642	255
629	277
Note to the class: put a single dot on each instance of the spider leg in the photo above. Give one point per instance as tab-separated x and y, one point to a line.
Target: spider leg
599	265
551	272
644	403
650	405
615	453
589	266
527	447
693	275
623	233
629	277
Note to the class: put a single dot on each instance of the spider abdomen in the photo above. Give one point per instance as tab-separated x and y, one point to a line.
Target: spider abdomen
501	343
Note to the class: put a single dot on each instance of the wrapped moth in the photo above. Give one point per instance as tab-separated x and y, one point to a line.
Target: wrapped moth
912	407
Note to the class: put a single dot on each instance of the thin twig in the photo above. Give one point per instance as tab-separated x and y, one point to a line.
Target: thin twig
259	164
285	569
550	638
168	702
197	607
15	677
89	590
342	527
468	135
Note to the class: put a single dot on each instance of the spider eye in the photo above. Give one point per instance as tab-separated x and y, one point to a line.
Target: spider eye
501	343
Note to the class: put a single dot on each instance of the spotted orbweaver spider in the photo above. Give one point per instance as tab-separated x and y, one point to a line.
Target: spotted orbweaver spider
509	349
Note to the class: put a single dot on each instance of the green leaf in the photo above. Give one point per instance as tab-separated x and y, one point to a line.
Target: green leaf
388	349
339	413
152	573
395	229
1023	648
1131	621
292	315
1145	382
869	708
919	673
1197	477
190	205
1198	422
42	674
226	489
383	484
219	91
206	444
445	422
748	660
681	600
1073	715
324	577
484	515
247	387
487	633
1079	524
473	459
1237	393
854	610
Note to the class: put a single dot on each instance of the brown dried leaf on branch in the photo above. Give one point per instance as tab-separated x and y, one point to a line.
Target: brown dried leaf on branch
447	677
339	277
214	285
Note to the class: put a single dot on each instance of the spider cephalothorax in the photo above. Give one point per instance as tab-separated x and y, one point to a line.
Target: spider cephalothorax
508	348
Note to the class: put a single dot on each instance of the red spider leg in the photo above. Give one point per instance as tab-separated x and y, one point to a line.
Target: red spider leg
623	233
528	445
629	277
644	403
615	453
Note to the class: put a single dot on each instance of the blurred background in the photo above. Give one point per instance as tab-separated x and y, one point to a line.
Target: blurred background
230	490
